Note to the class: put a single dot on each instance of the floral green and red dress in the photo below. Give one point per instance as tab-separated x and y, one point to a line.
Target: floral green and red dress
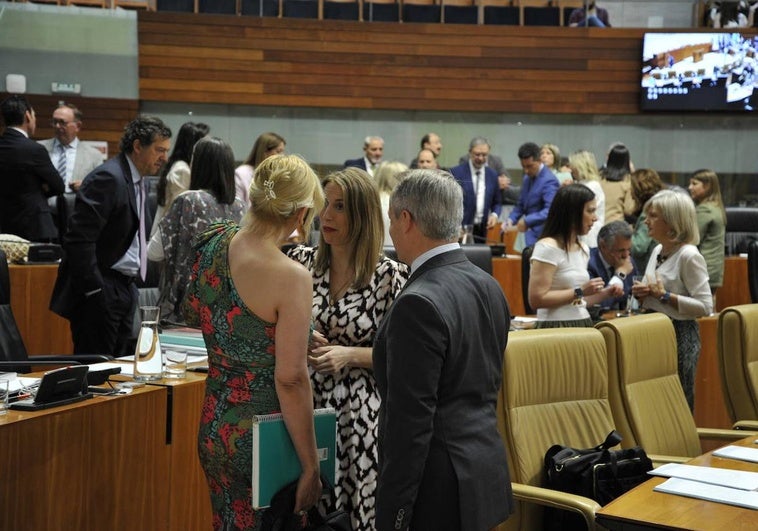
240	380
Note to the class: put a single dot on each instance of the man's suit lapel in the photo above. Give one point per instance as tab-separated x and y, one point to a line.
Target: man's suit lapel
131	194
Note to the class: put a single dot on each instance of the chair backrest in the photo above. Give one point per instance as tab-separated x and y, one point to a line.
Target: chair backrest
647	399
11	344
341	10
381	11
479	254
501	12
554	391
526	267
220	7
541	16
421	11
741	228
738	360
752	270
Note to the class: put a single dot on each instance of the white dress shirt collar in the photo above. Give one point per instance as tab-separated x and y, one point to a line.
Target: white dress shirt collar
431	253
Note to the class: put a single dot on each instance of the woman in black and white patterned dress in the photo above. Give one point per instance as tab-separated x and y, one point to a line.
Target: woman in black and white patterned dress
353	287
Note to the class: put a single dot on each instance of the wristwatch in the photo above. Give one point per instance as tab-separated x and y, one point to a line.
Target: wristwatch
666	297
578	296
621	275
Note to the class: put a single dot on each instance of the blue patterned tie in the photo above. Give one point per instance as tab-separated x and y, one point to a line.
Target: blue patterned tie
62	162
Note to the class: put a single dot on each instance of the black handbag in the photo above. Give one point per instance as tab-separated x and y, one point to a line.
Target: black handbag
598	473
280	515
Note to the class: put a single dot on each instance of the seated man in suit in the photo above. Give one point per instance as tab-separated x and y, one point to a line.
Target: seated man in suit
373	149
27	176
105	247
438	358
611	260
537	192
481	191
72	158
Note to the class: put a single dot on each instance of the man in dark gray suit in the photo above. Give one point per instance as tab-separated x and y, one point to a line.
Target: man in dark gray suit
438	360
103	251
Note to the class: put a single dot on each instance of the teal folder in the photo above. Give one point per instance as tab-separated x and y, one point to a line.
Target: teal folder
182	340
275	463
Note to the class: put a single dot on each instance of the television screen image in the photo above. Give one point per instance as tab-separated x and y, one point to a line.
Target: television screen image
699	72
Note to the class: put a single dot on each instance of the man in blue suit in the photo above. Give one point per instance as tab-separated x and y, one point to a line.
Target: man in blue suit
481	191
373	149
537	193
611	260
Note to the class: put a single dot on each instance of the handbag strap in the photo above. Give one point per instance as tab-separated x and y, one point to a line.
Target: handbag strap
612	440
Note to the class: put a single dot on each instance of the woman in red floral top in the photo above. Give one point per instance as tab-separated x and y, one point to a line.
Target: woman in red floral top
253	305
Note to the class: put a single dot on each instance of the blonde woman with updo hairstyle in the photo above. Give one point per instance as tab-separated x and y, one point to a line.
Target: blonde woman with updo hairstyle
253	305
354	285
584	171
711	223
676	278
387	176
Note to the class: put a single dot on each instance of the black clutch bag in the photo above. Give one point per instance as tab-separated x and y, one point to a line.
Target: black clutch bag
280	515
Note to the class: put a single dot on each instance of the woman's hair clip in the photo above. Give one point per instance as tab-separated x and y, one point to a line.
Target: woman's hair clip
268	187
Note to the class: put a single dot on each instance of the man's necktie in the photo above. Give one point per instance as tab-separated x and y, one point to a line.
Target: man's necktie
476	183
62	161
142	235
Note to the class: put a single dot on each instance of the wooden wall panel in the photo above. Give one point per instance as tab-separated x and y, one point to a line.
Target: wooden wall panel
338	64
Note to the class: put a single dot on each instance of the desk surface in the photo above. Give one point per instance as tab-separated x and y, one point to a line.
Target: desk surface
643	508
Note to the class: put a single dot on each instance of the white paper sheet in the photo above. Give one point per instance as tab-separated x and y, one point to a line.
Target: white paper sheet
738	452
714	493
738	479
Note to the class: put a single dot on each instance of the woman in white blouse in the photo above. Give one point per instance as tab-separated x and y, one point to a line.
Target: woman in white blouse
559	285
676	277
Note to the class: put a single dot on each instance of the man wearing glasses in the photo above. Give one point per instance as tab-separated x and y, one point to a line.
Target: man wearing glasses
72	158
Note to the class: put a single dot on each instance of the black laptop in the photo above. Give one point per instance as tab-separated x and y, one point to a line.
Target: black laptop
57	388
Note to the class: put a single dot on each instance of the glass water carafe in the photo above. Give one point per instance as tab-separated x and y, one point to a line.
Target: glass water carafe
148	362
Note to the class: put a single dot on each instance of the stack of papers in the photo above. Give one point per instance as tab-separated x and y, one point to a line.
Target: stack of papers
732	487
187	340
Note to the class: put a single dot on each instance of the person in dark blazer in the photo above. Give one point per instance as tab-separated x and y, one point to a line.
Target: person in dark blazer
537	192
102	258
437	359
475	178
27	177
611	260
373	149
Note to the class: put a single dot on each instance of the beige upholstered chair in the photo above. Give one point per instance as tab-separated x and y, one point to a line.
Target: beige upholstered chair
554	392
648	403
738	363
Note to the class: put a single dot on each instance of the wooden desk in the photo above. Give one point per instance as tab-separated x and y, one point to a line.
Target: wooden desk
642	508
43	331
189	505
97	464
507	272
735	289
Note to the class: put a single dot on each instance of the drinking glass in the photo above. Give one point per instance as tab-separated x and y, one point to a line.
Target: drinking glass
467	236
174	364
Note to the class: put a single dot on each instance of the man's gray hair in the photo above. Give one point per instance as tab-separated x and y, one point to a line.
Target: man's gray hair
435	201
369	139
478	141
609	231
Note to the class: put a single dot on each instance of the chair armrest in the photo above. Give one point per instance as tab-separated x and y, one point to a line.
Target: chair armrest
83	359
659	460
726	435
746	425
558	500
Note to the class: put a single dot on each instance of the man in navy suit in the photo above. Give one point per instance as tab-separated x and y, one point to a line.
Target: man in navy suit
537	192
27	177
438	357
373	149
481	191
103	257
611	260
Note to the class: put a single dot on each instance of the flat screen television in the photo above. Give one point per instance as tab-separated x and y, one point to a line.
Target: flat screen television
699	72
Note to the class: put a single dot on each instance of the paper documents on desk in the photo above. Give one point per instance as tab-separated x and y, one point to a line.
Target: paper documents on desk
714	493
738	479
738	452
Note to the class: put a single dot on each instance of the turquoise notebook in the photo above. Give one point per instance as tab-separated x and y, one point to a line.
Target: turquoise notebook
275	463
